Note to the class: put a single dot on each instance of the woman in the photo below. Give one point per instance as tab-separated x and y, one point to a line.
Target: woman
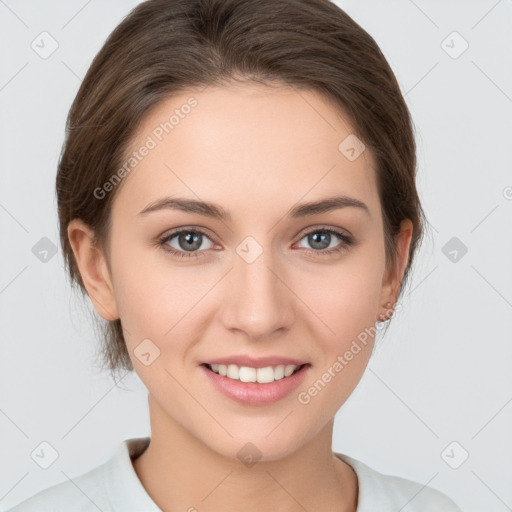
237	198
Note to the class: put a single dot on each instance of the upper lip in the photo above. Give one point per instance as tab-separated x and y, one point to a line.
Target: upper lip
259	362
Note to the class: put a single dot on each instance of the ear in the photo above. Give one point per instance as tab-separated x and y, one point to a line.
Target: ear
394	273
93	268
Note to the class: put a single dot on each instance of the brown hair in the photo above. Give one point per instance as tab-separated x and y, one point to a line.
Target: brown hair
166	46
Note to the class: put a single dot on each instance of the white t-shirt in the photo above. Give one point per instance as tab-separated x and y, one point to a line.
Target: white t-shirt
115	487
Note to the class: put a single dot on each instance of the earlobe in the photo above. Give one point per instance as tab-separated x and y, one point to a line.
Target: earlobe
93	269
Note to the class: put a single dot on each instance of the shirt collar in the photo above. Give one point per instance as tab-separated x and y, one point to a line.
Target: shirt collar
125	490
127	493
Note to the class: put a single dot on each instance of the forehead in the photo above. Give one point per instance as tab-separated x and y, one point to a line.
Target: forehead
247	146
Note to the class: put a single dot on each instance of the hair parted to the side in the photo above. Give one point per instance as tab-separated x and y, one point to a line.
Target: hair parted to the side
166	46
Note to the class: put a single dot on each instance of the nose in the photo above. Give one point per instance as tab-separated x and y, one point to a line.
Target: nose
259	302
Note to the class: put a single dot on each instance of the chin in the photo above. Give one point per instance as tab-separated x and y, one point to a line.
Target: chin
259	448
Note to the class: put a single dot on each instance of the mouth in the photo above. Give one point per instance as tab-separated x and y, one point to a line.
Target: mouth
264	375
255	386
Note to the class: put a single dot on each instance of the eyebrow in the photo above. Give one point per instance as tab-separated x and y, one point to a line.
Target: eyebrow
215	211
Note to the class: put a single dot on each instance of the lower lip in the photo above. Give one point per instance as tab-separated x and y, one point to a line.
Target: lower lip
254	393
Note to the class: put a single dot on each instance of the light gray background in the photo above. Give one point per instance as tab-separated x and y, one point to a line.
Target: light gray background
442	373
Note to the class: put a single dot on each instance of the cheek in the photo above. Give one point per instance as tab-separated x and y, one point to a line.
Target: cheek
345	297
139	290
156	299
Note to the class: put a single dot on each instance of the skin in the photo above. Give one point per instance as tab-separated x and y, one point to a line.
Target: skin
257	152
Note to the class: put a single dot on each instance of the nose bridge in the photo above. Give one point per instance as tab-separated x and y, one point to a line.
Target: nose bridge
259	303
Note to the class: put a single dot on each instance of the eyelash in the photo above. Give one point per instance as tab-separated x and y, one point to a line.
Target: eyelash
346	242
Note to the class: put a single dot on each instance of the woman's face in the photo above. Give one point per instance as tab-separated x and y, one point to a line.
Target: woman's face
263	281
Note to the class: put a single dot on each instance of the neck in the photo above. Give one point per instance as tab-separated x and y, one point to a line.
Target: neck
179	472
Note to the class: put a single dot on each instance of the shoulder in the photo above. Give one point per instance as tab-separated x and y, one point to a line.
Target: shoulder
113	485
85	493
378	491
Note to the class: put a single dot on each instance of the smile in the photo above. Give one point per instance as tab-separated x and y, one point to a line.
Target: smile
248	374
255	386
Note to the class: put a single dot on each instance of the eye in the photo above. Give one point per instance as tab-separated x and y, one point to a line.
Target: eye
323	241
187	244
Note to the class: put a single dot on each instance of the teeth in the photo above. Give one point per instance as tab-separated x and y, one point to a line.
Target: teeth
247	374
279	371
289	369
233	371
